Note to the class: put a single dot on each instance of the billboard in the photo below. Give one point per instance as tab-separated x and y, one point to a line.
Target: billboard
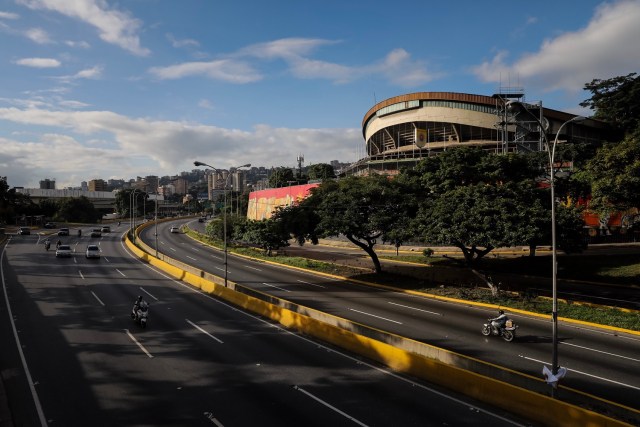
263	203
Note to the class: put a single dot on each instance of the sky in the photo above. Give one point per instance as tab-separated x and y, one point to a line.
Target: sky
101	89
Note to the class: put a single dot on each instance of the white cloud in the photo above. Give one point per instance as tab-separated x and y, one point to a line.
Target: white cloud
72	104
163	147
8	15
39	62
38	35
223	69
607	47
182	42
283	48
205	103
80	44
114	26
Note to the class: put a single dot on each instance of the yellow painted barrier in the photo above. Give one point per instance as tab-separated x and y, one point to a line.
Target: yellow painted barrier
529	404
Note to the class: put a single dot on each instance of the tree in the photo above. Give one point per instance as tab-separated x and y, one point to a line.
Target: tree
478	201
268	234
363	209
321	171
78	209
614	175
616	101
281	177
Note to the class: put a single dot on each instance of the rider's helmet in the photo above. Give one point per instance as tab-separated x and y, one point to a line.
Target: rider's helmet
500	311
139	298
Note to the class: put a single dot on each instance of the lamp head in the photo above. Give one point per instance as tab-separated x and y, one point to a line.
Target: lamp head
197	163
578	119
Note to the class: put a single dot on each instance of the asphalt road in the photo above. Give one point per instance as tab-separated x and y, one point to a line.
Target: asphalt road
199	361
601	362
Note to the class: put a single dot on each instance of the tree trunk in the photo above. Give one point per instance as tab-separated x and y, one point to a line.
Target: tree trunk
368	248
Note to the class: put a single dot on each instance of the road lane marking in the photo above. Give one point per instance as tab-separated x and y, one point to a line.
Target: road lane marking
80	273
196	249
373	315
106	259
312	284
173	249
213	419
251	268
276	287
121	273
600	351
203	331
23	359
333	408
216	257
415	308
584	373
139	345
99	300
316	344
191	258
146	292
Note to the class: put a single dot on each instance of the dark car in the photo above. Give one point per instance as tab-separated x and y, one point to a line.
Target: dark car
50	225
24	231
96	232
63	232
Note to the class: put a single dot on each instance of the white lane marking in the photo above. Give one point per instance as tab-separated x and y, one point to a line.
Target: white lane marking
213	419
600	351
216	257
146	292
106	259
333	408
251	268
32	388
373	315
276	287
80	273
99	300
173	249
121	273
203	331
139	345
584	373
221	269
359	362
196	249
75	261
415	308
191	258
312	284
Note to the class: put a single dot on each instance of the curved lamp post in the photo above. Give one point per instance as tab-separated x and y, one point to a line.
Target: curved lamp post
224	213
132	216
551	149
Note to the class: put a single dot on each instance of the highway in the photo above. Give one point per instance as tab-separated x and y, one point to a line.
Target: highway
600	362
73	357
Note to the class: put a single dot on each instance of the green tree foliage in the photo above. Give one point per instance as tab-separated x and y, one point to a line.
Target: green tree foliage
478	201
281	177
614	174
362	209
616	101
321	171
78	209
267	234
14	204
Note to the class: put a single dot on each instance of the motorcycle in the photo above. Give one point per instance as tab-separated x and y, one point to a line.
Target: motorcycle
508	332
140	312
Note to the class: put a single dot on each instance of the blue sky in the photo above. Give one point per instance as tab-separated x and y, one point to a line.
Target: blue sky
105	89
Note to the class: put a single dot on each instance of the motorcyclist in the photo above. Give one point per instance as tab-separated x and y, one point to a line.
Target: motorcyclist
47	244
139	303
498	322
79	233
58	244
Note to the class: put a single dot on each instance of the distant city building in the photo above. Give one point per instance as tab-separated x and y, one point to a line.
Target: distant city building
97	185
167	190
48	184
152	182
181	185
84	186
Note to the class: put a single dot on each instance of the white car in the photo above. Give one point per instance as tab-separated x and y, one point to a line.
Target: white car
93	251
175	229
63	251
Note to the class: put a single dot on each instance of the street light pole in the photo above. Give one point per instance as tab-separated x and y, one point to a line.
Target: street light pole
224	213
551	149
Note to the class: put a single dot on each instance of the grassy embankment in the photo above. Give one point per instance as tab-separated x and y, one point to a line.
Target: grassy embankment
619	269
